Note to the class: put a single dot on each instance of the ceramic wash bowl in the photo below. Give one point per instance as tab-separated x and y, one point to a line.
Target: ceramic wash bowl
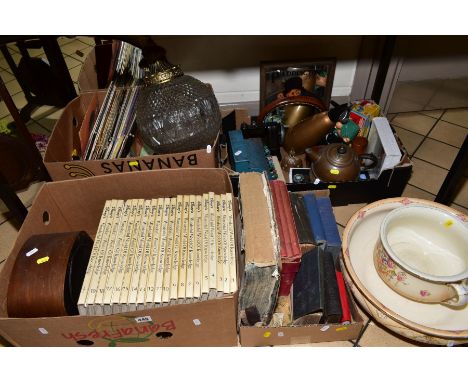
429	323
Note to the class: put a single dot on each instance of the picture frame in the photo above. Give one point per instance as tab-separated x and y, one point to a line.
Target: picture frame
281	79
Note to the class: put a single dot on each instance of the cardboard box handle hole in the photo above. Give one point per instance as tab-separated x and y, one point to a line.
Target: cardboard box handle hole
45	218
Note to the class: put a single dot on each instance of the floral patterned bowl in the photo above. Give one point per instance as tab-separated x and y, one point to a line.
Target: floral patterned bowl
422	254
429	323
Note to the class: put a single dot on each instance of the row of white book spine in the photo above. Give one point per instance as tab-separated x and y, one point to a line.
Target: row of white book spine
150	253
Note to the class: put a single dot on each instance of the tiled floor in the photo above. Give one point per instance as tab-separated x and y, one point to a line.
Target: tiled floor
431	137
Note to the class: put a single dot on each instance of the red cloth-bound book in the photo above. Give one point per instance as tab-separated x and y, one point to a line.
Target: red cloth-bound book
289	242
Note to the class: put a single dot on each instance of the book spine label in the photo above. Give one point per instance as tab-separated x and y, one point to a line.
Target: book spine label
176	261
93	289
205	287
110	254
219	246
231	245
212	241
92	259
158	291
119	277
133	247
169	252
191	248
225	243
144	249
154	260
197	266
184	248
120	238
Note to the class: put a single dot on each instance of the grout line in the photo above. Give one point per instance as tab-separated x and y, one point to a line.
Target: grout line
427	135
443	168
422	189
2	261
424	137
455	124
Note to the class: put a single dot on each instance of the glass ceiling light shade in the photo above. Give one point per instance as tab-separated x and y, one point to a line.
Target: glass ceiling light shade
176	112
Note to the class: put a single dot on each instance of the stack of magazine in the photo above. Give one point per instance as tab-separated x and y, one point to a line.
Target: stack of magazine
110	135
159	252
127	61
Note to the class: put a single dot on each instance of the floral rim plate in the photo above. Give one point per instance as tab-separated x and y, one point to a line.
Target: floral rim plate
432	320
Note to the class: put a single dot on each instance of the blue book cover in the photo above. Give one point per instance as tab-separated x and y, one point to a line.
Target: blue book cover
332	234
315	220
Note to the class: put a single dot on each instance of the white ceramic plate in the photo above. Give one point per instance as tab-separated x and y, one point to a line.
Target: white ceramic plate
359	238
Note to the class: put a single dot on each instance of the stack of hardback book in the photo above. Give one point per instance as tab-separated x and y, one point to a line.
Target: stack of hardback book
108	136
314	215
261	279
158	252
289	243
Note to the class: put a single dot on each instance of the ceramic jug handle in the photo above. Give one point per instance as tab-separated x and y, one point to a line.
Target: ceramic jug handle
462	291
372	158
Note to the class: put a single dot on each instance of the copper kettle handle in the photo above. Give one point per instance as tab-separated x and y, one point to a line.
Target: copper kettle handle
298	100
372	158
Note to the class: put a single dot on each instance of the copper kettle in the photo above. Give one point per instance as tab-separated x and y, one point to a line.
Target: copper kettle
338	162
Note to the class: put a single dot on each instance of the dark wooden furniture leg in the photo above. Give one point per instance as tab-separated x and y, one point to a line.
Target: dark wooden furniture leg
449	188
23	131
13	203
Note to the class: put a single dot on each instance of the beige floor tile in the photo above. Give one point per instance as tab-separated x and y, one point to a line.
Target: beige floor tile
414	192
12	47
3	110
436	152
401	105
432	113
87	40
410	140
462	195
26	196
450	96
459	117
449	133
391	116
73	46
13	87
18	99
413	95
71	62
6	76
414	122
36	128
82	53
75	72
43	111
376	336
4	64
8	233
427	176
48	123
63	40
343	213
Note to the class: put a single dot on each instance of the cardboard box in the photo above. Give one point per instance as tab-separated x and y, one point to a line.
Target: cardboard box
77	205
292	335
65	139
390	183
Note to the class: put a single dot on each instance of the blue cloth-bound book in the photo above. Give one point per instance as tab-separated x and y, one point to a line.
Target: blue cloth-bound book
327	217
315	220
